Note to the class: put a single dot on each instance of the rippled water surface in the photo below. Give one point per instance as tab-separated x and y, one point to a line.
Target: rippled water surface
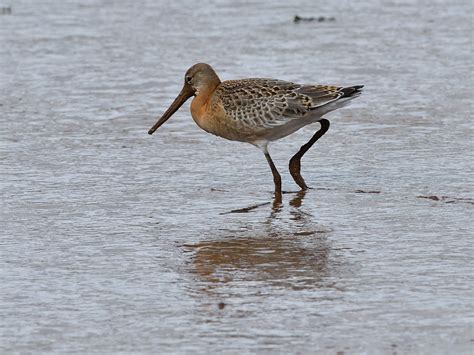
114	240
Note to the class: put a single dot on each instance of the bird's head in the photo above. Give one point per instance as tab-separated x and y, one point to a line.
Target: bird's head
198	79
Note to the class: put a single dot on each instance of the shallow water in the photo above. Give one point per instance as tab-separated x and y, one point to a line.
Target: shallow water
114	240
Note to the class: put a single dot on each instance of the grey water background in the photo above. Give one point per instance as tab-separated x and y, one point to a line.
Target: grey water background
116	241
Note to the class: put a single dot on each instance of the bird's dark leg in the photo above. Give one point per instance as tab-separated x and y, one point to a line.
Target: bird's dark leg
295	161
276	174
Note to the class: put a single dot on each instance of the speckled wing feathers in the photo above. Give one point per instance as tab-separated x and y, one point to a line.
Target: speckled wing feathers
269	103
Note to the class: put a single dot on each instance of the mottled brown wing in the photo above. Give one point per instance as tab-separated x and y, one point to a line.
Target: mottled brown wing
318	95
266	103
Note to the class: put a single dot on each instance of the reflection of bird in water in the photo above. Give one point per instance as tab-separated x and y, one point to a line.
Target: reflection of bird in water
259	111
296	202
290	252
278	259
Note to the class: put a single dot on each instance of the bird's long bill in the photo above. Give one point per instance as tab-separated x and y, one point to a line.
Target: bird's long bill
185	94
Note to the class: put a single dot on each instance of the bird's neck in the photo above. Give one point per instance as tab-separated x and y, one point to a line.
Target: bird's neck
202	99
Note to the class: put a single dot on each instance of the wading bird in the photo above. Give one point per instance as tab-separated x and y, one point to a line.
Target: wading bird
258	111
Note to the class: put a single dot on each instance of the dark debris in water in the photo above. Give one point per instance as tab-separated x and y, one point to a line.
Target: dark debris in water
367	192
246	209
447	199
221	305
6	10
306	233
298	19
433	197
217	190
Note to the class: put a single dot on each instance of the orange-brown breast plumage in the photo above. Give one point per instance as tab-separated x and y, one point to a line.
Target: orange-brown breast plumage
209	114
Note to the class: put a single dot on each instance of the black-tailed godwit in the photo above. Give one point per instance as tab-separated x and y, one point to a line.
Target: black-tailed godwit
259	111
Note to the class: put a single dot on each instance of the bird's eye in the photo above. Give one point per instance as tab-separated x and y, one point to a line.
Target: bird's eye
188	79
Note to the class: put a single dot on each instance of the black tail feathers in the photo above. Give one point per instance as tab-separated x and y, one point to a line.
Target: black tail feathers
351	90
